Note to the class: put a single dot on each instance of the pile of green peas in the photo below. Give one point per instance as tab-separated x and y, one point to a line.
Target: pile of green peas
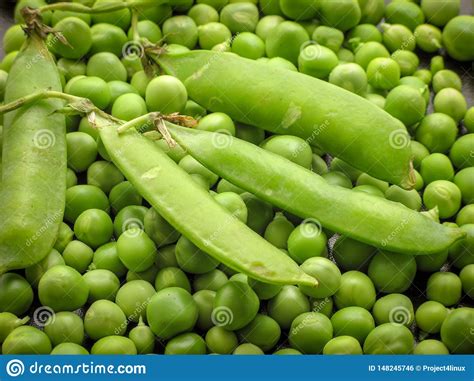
142	287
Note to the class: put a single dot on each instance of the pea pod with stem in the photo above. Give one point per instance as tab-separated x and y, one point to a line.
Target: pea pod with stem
32	196
376	221
284	102
183	203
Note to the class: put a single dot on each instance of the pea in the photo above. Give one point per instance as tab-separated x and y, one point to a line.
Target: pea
143	338
318	165
129	106
430	347
186	344
310	332
260	213
158	229
440	12
103	284
166	257
104	175
78	35
389	338
7	61
436	166
107	38
248	45
424	74
267	25
451	102
317	61
281	63
461	253
436	64
64	327
69	349
397	36
285	41
217	122
247	349
456	331
193	260
136	250
240	17
165	94
306	241
120	18
181	30
465	216
149	275
204	300
430	316
405	13
71	68
461	153
417	83
291	147
82	150
235	305
338	165
437	132
35	272
342	345
78	255
106	257
349	76
94	88
446	78
212	34
171	277
65	236
445	195
16	294
211	280
63	289
13	38
114	345
331	38
123	194
104	318
330	13
94	227
356	289
469	120
401	267
203	14
133	298
26	340
406	104
278	231
394	308
130	217
192	166
8	323
432	262
221	341
287	305
233	203
338	178
171	311
407	61
409	198
445	288
327	274
263	331
467	279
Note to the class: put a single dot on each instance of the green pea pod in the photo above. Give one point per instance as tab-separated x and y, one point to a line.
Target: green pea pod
194	212
373	220
285	102
32	196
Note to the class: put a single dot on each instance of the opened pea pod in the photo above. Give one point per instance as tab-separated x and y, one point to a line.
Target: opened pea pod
385	224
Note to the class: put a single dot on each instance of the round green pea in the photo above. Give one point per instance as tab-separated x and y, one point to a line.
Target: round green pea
436	166
171	311
16	294
64	327
342	345
430	316
445	288
307	240
356	289
103	284
104	318
106	257
353	321
287	305
78	255
389	339
462	152
310	332
114	345
327	274
451	102
94	227
444	195
172	277
221	341
401	267
26	340
394	308
437	132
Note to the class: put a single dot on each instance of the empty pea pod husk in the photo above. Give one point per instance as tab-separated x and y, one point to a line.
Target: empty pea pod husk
285	102
376	221
32	195
193	211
